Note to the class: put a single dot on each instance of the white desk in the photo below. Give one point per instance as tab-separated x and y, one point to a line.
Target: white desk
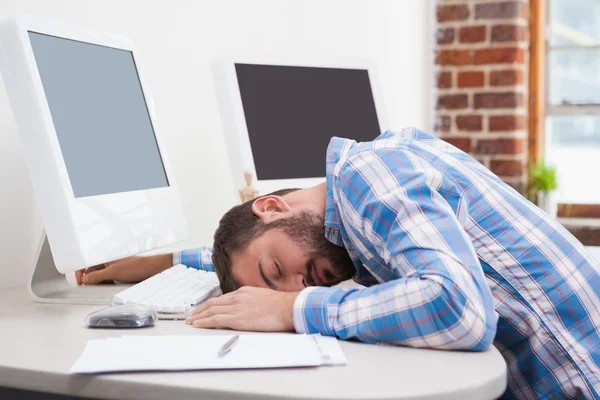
39	342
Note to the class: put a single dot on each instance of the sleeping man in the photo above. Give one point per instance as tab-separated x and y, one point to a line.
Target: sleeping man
450	257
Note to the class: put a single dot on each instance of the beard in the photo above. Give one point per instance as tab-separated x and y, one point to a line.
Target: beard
307	228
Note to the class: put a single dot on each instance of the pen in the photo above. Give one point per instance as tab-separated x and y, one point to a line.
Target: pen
226	348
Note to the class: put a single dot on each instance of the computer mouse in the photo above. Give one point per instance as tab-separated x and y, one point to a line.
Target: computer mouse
122	316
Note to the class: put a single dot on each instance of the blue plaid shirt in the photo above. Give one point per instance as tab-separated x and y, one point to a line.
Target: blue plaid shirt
453	258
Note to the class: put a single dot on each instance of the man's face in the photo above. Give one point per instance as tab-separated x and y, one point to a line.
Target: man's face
291	255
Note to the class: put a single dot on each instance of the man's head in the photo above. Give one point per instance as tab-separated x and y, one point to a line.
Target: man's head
268	243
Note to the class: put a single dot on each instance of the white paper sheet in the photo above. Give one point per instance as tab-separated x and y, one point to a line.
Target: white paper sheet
330	349
165	353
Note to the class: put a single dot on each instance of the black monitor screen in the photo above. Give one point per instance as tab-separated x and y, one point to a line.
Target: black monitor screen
292	113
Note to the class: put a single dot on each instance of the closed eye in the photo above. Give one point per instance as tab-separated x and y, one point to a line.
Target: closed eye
278	268
264	277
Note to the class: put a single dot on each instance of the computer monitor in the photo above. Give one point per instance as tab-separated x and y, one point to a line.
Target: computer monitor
279	117
98	164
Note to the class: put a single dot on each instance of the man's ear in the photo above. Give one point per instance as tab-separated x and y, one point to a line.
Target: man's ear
270	208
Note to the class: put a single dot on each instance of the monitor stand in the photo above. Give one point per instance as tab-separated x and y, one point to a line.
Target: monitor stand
47	285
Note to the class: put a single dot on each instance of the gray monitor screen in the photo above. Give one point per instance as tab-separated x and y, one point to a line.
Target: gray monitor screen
100	116
292	113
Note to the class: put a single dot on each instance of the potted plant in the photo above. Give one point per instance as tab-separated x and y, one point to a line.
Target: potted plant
542	187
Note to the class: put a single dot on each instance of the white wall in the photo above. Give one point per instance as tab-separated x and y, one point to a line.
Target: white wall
176	40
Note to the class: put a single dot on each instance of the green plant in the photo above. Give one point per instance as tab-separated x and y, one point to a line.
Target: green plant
542	178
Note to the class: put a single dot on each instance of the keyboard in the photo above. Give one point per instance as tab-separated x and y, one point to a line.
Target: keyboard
173	293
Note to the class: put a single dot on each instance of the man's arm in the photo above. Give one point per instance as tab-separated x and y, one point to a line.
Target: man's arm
440	299
136	269
127	270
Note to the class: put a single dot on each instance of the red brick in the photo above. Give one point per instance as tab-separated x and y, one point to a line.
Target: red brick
445	35
508	33
507	167
444	80
498	100
506	77
470	79
453	101
458	12
500	146
453	57
588	236
503	55
507	122
469	122
504	10
443	123
472	34
462	143
483	161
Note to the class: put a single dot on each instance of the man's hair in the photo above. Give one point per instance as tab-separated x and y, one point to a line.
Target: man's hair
237	228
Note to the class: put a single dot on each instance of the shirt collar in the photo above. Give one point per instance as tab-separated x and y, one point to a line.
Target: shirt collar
336	151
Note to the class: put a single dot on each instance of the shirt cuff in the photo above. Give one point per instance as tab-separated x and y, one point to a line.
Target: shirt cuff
177	258
316	308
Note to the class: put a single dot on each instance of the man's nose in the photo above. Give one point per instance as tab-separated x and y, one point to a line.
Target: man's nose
294	283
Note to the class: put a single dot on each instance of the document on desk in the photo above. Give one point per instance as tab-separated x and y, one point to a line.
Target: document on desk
179	353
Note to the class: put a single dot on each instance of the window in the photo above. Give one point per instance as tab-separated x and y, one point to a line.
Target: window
572	111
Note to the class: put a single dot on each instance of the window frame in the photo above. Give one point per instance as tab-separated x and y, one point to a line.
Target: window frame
539	102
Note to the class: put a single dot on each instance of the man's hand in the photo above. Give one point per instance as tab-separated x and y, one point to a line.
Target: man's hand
127	270
247	309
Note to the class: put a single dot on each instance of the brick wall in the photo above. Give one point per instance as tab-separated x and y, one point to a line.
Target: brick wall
481	58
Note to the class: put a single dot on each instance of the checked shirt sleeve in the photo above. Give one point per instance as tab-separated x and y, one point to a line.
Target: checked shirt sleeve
403	228
200	258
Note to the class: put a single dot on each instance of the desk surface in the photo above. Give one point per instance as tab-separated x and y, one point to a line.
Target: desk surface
40	342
